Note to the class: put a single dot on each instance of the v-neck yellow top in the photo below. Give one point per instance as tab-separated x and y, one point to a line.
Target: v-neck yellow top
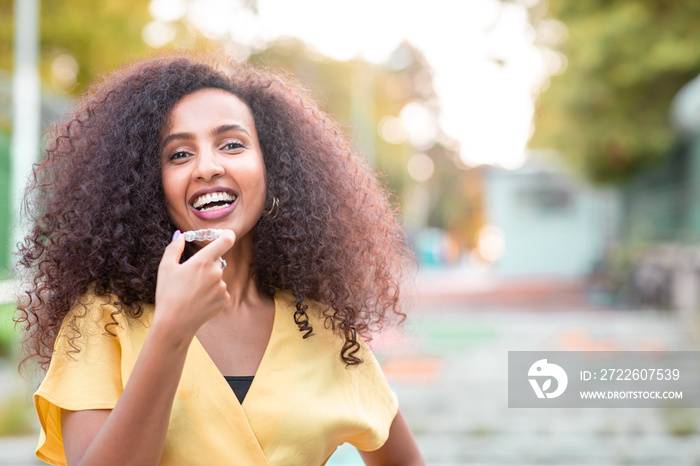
302	404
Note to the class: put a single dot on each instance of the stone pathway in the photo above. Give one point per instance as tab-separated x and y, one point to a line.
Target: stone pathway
448	368
450	373
18	451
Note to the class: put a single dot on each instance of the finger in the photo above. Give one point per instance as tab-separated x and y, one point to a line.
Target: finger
218	247
173	251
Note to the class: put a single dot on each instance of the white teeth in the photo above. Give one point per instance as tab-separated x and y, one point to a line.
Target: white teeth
207	209
212	197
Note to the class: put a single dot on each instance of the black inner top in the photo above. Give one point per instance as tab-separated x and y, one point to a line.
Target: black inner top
240	385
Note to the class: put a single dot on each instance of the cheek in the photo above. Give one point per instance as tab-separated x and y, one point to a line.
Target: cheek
254	173
172	193
172	214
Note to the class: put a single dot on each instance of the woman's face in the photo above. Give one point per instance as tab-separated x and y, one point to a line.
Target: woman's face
212	166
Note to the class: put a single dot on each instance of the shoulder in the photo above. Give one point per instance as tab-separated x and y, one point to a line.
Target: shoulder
326	338
319	315
92	308
94	317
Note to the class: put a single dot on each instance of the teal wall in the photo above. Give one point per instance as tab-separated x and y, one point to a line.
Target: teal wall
552	224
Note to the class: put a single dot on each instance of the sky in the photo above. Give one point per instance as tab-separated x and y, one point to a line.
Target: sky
486	68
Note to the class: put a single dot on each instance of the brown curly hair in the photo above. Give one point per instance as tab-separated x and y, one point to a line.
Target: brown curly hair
99	221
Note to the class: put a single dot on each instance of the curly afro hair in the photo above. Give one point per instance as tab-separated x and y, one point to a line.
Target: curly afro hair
99	221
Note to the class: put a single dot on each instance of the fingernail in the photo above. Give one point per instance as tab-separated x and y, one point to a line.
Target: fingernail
176	234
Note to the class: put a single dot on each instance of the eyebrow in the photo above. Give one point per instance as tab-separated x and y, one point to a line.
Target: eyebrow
216	131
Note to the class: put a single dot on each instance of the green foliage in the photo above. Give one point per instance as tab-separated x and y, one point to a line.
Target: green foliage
8	337
5	219
6	34
99	35
15	416
608	112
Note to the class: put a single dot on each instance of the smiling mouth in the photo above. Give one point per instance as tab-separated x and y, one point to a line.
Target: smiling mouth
213	201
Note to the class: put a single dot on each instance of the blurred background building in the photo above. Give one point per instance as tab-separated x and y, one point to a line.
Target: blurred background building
546	220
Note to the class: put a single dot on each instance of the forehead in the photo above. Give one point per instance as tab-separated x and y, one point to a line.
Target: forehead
206	107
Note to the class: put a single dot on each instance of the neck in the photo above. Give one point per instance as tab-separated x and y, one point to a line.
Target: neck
240	282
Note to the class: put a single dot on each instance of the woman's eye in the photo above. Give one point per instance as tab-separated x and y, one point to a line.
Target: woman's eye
233	145
179	155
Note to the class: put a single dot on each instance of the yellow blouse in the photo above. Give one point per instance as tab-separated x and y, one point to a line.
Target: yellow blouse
302	404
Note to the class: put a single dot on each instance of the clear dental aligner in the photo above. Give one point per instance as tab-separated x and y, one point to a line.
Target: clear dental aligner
208	234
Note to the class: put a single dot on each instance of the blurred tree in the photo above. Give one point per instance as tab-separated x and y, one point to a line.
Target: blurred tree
6	33
370	100
607	113
335	84
80	39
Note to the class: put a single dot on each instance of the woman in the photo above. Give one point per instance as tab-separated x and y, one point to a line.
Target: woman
141	330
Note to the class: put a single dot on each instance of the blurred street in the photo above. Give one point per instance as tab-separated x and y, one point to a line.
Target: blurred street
449	368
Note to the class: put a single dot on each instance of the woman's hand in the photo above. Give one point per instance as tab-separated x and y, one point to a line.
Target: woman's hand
187	295
191	293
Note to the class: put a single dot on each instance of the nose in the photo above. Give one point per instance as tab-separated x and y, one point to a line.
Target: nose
207	166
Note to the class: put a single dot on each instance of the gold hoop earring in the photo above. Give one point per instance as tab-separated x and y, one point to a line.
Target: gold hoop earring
275	207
